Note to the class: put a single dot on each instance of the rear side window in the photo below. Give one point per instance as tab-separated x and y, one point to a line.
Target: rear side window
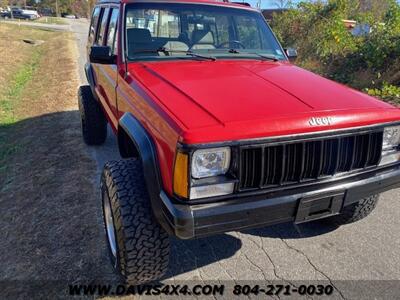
101	34
93	24
112	31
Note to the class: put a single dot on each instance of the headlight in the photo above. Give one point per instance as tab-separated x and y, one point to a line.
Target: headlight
391	142
391	137
210	162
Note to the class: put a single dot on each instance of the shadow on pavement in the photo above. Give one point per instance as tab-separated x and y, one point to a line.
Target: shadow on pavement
188	255
292	231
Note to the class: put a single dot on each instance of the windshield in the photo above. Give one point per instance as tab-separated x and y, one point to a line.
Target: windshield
169	30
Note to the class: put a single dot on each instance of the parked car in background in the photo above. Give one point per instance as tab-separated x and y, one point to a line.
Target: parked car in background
5	14
30	13
19	13
68	16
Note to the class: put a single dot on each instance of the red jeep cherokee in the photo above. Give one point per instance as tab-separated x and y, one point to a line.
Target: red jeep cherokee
219	131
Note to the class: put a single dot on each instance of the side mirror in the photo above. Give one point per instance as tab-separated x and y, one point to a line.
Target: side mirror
101	55
291	54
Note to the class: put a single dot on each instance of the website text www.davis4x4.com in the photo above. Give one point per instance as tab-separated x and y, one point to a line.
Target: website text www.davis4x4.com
202	290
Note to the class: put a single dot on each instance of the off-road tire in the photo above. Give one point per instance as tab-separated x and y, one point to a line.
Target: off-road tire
142	244
93	121
356	211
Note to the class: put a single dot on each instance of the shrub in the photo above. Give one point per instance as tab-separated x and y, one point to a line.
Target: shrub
315	29
387	92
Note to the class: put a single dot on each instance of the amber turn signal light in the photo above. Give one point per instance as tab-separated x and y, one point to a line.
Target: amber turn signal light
181	175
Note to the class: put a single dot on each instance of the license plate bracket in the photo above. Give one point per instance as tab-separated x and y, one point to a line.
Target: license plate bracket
319	206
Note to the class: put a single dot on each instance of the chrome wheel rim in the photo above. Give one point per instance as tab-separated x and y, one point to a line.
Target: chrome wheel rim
108	218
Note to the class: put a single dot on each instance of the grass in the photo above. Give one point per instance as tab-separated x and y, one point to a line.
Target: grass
51	228
44	20
22	76
51	20
7	104
19	63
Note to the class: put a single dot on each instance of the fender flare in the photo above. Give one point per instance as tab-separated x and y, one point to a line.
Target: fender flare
148	155
90	77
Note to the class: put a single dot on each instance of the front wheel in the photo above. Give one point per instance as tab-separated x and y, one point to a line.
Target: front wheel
138	245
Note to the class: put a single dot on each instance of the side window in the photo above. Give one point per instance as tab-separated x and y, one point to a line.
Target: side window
93	24
112	31
101	33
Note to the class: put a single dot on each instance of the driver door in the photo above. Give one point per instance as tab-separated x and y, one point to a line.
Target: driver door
107	73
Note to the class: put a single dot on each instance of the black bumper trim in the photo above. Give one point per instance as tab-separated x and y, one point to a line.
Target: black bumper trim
190	221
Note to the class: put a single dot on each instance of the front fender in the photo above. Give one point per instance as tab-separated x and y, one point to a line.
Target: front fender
148	155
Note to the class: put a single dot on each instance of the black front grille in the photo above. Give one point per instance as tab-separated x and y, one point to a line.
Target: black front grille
275	165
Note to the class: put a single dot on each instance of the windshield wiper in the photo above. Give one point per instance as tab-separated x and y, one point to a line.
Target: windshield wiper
263	56
191	53
167	51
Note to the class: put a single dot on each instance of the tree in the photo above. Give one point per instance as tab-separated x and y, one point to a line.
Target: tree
76	7
80	7
377	8
4	3
91	4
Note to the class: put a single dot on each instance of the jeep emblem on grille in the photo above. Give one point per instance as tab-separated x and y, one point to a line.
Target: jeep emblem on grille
324	121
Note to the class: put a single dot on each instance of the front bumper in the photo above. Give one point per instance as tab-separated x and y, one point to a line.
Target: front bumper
190	221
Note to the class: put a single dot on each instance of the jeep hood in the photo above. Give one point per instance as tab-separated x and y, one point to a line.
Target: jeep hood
250	99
